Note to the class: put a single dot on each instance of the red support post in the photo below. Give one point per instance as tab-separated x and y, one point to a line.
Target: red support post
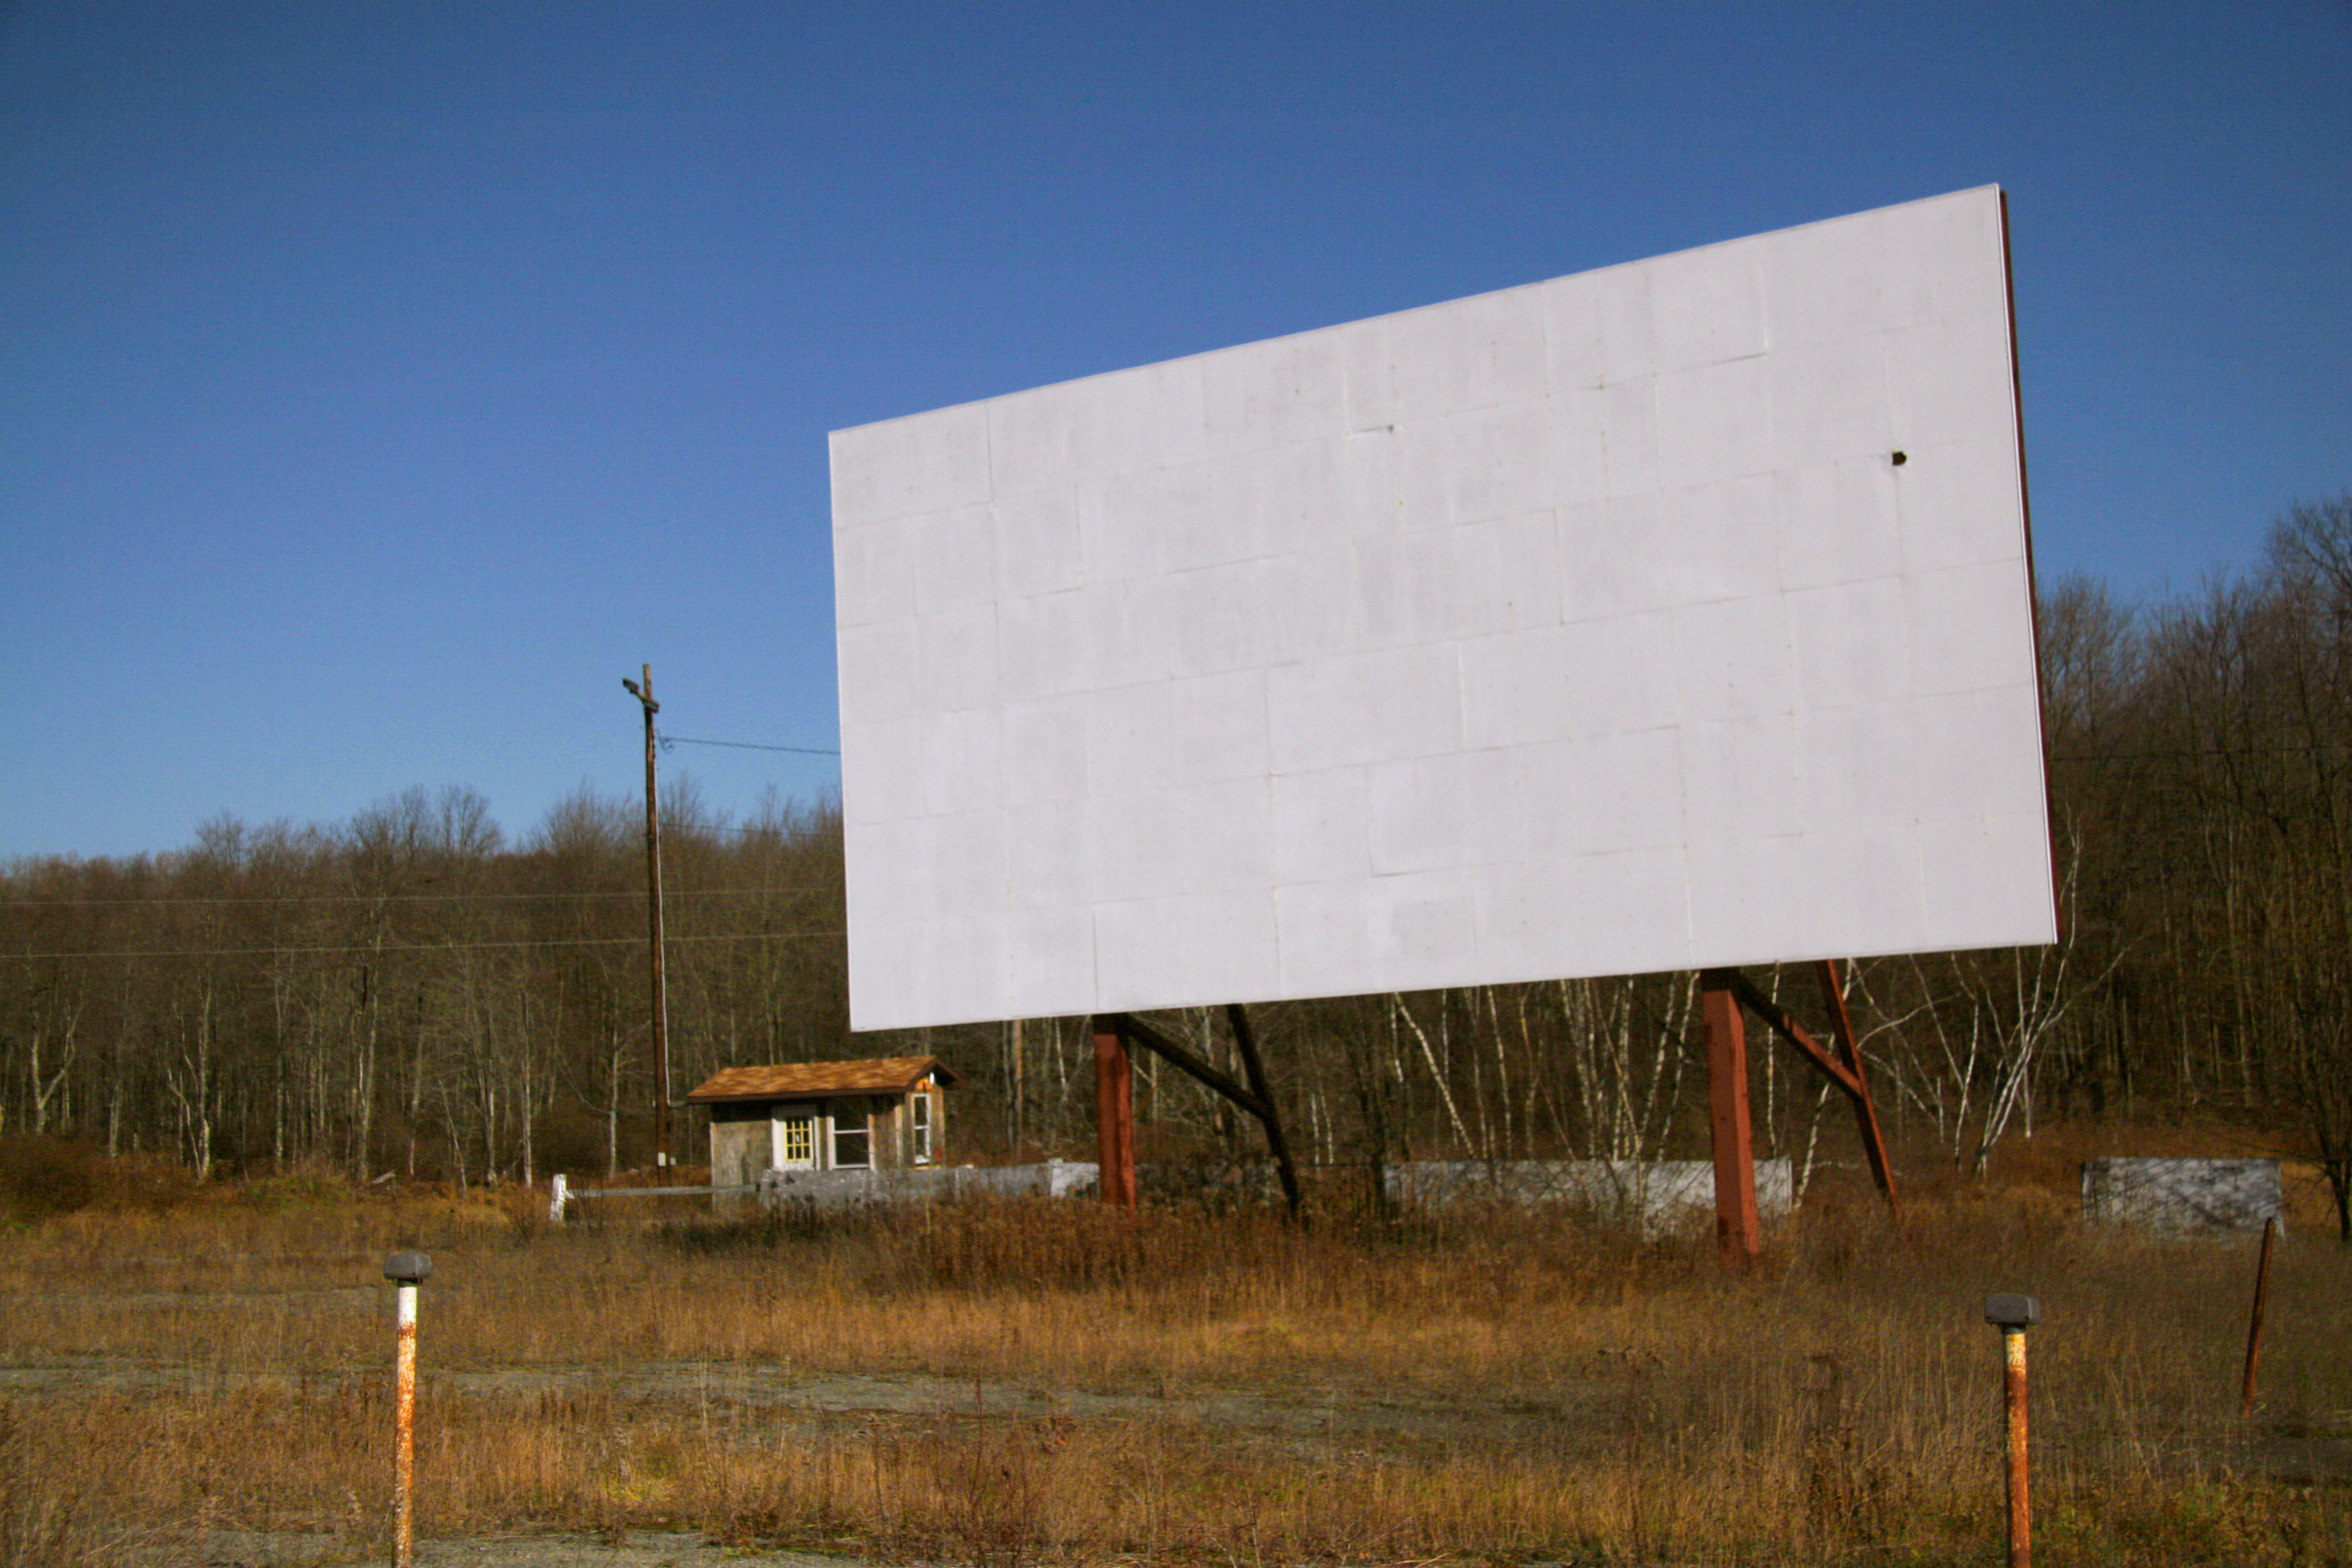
1737	1231
1866	1114
1114	1113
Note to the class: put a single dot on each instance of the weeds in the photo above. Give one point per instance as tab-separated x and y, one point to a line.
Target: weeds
1023	1384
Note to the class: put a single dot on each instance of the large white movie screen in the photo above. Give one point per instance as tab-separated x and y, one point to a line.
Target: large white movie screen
1594	627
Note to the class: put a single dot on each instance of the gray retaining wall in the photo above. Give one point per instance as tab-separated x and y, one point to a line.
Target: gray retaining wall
2184	1197
853	1189
1664	1193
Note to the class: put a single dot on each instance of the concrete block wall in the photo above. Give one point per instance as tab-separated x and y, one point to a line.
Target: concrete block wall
857	1189
1663	1193
2184	1197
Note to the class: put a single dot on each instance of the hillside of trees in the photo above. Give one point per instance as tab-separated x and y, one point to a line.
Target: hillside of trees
412	991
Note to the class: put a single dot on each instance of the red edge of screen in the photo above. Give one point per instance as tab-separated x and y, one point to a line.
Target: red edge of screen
2033	592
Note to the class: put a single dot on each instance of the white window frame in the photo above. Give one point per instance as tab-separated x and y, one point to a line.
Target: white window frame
859	1125
919	1126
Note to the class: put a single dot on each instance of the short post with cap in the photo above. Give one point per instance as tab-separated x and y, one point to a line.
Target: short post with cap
407	1271
2012	1315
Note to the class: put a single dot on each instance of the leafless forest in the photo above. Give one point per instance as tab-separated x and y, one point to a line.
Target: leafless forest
414	992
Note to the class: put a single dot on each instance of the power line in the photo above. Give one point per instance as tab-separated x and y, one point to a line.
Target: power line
415	947
668	740
2300	748
258	899
689	830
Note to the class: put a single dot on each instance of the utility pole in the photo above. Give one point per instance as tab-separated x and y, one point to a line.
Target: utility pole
653	928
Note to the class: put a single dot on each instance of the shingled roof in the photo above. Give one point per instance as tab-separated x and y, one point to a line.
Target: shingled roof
813	1080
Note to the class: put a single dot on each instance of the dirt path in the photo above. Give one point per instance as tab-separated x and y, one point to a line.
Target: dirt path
634	1549
1334	1414
1310	1422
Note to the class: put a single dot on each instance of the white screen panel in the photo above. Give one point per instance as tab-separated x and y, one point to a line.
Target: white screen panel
1588	628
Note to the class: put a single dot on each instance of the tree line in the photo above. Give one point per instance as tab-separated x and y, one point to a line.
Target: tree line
410	993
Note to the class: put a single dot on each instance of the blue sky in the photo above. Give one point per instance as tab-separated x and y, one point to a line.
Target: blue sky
380	383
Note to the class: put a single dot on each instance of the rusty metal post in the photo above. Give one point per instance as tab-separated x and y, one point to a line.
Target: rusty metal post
1114	1113
2019	1488
407	1271
1737	1232
2254	1327
2013	1315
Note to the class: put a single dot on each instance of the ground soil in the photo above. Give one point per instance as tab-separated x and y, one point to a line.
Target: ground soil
628	1549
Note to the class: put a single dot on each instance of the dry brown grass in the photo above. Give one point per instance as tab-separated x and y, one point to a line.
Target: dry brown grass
1053	1382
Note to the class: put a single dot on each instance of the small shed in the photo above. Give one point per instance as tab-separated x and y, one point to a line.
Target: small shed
888	1111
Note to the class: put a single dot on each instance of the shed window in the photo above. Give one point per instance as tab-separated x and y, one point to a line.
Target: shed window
853	1138
920	1109
794	1144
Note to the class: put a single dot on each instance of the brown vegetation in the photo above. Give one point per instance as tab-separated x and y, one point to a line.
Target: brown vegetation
1034	1382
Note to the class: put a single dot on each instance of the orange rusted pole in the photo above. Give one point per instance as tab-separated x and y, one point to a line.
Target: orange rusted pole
1114	1113
2013	1316
1736	1233
2020	1482
2254	1328
407	1271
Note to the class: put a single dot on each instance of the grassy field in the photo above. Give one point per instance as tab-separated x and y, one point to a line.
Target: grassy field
1057	1384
